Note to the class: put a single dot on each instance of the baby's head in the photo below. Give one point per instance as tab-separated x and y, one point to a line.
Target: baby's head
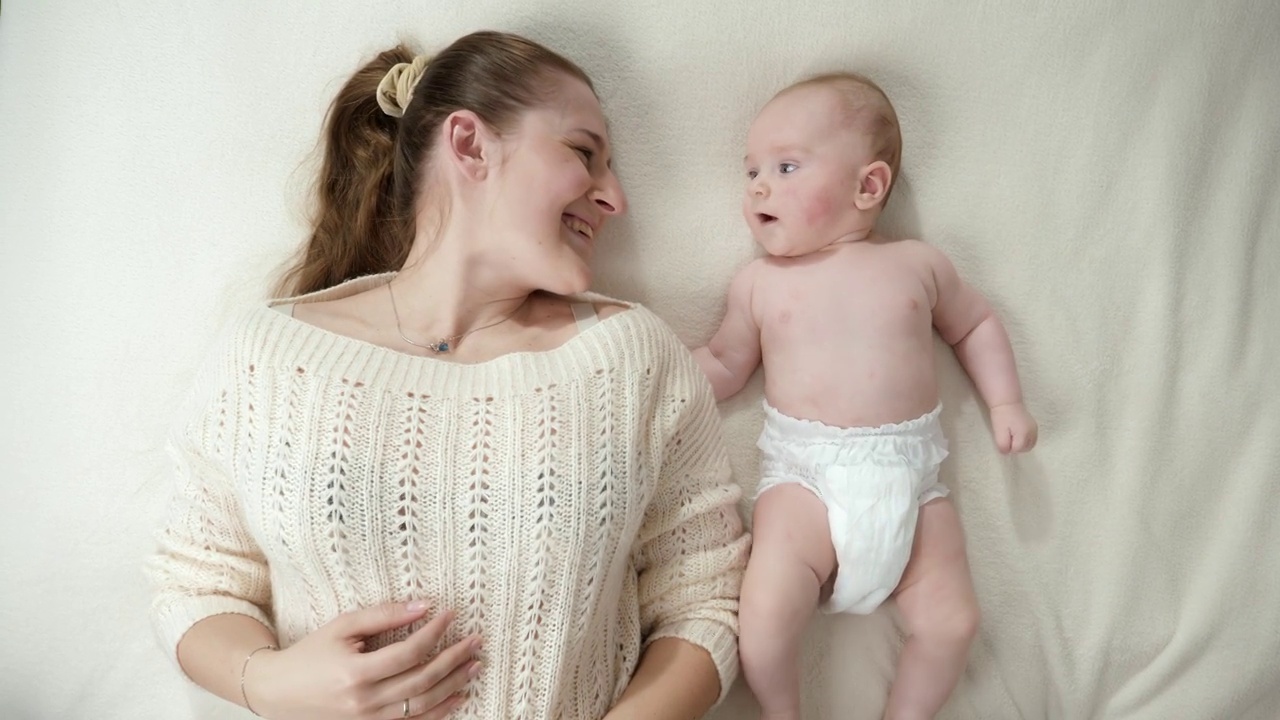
822	156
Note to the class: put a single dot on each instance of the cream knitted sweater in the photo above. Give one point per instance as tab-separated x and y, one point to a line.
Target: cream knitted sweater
570	505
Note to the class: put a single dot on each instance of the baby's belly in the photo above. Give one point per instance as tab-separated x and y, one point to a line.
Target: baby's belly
864	391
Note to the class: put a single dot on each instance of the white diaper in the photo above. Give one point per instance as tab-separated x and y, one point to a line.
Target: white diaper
873	482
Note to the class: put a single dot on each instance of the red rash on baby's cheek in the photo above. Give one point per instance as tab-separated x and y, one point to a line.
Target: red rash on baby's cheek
818	208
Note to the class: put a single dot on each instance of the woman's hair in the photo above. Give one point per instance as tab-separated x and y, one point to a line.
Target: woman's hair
374	163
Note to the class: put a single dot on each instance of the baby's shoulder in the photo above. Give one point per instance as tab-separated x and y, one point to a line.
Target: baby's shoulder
911	247
917	255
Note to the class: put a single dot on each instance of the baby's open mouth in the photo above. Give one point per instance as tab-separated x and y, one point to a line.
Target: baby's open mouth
765	218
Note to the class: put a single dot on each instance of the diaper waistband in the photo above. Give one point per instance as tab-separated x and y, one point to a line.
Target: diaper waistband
785	427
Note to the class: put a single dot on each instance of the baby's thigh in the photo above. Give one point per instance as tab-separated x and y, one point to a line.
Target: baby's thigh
937	577
789	524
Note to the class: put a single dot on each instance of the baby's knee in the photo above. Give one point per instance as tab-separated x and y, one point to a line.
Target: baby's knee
760	630
955	620
773	609
763	604
966	621
802	557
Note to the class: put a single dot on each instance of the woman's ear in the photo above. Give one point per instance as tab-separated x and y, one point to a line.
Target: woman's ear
873	185
465	142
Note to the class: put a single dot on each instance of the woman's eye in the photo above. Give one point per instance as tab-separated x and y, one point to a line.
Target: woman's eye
585	153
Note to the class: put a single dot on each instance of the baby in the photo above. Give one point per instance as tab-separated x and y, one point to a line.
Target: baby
850	510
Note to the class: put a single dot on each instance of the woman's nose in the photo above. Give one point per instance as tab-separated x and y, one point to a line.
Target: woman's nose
610	197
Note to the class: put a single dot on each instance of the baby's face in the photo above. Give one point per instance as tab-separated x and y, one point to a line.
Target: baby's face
803	161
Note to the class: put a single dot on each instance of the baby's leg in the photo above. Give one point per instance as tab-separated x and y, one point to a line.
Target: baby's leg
940	611
791	559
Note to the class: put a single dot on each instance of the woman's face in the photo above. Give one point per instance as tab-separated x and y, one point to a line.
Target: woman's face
556	189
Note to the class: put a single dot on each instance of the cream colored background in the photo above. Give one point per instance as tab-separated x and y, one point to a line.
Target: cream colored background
1108	173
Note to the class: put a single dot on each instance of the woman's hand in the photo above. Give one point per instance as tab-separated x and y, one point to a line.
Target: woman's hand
326	676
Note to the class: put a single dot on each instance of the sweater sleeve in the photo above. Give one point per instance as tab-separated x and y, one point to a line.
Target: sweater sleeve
206	562
693	549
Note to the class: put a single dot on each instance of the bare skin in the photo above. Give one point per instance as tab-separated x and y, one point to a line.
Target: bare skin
843	320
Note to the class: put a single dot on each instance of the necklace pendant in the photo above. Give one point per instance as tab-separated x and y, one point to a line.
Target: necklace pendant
441	347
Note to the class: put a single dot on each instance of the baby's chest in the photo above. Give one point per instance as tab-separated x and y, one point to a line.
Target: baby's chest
844	299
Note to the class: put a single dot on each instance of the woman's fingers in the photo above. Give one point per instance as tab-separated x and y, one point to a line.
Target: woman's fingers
441	711
390	661
445	674
359	624
441	695
444	709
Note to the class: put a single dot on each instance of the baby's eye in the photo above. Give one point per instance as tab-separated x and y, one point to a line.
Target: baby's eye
751	174
787	168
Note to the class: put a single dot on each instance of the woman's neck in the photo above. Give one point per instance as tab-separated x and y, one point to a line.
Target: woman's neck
446	290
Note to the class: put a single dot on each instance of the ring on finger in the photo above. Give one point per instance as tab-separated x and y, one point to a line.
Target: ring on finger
406	708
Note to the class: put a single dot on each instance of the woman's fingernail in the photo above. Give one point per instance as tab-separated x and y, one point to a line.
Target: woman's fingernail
416	606
474	671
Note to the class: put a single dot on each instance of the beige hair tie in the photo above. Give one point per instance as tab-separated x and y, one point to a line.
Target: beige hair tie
396	89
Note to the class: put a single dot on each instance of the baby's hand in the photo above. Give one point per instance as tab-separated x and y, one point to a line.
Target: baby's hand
1013	428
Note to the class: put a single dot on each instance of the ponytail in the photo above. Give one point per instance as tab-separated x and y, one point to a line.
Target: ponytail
369	182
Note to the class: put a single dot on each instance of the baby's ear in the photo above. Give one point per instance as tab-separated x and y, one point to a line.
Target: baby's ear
873	185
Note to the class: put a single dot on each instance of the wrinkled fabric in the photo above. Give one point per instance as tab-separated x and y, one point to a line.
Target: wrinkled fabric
872	481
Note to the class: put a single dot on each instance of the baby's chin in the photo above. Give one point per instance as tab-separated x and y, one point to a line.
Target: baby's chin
780	247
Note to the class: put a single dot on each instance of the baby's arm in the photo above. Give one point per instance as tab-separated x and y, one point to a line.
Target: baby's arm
966	322
734	351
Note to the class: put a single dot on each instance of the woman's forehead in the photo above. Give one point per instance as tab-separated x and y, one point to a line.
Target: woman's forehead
569	111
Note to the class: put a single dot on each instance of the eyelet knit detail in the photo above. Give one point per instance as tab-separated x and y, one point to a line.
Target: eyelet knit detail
570	505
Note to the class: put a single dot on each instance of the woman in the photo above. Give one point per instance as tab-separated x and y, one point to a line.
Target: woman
439	478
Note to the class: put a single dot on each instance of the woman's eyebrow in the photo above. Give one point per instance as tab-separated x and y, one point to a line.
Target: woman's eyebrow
595	136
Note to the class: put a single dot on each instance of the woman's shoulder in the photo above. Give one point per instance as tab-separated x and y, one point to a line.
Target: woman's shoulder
646	337
240	338
633	319
261	329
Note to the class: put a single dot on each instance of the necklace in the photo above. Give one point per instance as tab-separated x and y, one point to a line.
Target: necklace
444	344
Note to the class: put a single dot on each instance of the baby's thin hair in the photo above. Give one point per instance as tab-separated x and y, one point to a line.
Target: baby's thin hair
871	112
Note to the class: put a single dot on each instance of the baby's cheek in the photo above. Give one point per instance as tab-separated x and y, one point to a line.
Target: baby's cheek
818	208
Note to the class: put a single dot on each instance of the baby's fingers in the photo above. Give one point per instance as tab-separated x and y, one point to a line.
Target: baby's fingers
1032	435
1004	439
